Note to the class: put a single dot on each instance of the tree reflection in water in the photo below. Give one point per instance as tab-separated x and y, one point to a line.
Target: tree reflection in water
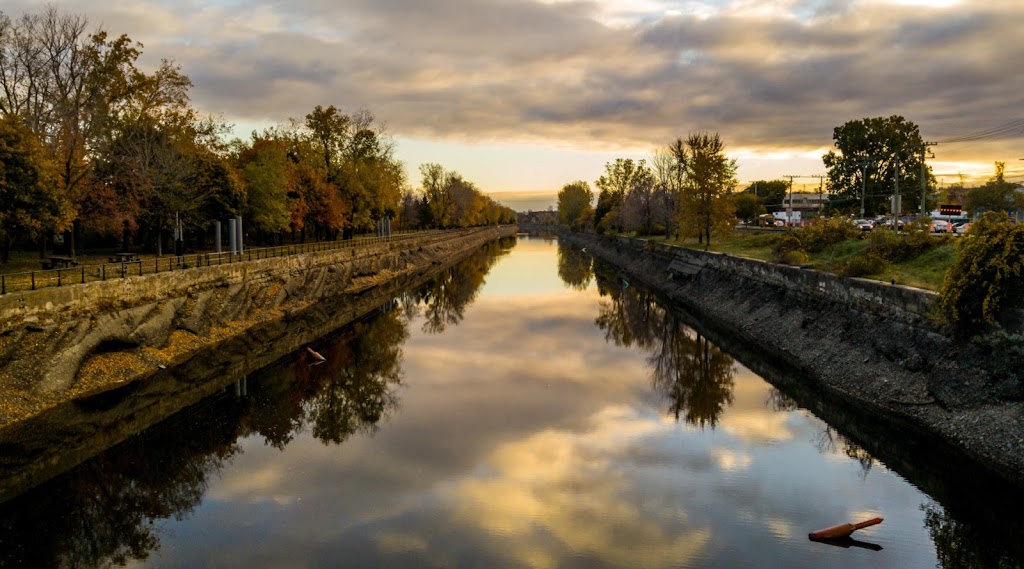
105	510
695	375
828	440
960	546
365	371
443	302
575	267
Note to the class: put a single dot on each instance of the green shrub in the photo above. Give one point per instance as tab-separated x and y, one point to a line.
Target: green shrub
818	236
901	247
986	277
870	263
885	243
788	250
794	258
764	239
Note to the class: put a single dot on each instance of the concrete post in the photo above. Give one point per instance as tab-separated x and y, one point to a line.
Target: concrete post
241	235
232	236
216	237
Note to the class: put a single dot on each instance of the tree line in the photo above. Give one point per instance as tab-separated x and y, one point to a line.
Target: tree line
689	187
91	145
686	191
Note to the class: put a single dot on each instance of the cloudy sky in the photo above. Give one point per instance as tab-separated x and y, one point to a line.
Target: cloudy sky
527	95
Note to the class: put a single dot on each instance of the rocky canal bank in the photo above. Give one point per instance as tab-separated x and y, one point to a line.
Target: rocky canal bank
70	343
863	345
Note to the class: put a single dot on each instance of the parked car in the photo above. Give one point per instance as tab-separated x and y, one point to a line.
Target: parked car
962	228
864	225
940	226
887	223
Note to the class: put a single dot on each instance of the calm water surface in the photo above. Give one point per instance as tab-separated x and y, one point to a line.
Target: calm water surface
528	409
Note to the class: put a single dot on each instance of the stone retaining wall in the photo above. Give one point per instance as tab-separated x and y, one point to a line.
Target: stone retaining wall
58	344
902	303
28	306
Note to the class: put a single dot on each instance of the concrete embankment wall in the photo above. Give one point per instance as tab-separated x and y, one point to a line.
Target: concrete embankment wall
25	307
60	343
868	344
905	304
49	443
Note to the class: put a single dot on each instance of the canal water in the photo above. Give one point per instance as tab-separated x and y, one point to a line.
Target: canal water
531	407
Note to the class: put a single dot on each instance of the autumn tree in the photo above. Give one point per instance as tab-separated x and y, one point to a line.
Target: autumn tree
359	162
494	213
56	79
329	133
996	195
770	193
871	157
574	208
709	177
269	177
30	201
157	151
748	206
374	178
982	286
620	178
435	184
606	210
409	210
468	202
642	205
668	184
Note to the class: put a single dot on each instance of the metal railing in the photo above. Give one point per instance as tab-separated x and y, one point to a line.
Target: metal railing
34	280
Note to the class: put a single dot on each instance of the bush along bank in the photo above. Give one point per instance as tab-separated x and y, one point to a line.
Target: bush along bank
871	344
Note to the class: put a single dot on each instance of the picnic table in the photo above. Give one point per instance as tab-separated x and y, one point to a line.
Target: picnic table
58	262
124	258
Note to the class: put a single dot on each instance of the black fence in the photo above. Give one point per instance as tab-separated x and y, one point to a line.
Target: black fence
67	271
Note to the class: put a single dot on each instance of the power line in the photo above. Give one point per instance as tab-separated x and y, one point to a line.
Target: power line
995	132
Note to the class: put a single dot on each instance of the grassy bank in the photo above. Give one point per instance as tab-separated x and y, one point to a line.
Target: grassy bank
926	270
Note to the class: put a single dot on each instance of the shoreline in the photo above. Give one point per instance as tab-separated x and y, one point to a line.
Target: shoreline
60	344
79	427
903	369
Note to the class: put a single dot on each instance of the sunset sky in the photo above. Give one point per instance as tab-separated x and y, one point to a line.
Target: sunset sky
523	96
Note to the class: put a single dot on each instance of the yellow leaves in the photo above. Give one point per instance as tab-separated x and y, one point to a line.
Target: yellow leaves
986	277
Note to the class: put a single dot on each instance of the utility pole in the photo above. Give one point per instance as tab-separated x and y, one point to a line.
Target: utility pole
924	178
896	205
789	206
863	163
821	189
821	193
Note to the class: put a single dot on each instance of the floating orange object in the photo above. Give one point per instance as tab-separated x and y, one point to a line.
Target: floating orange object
842	530
316	354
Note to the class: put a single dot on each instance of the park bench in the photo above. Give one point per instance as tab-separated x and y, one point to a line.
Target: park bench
124	258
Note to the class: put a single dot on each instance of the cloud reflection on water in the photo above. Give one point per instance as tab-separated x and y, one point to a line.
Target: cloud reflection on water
536	429
518	448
